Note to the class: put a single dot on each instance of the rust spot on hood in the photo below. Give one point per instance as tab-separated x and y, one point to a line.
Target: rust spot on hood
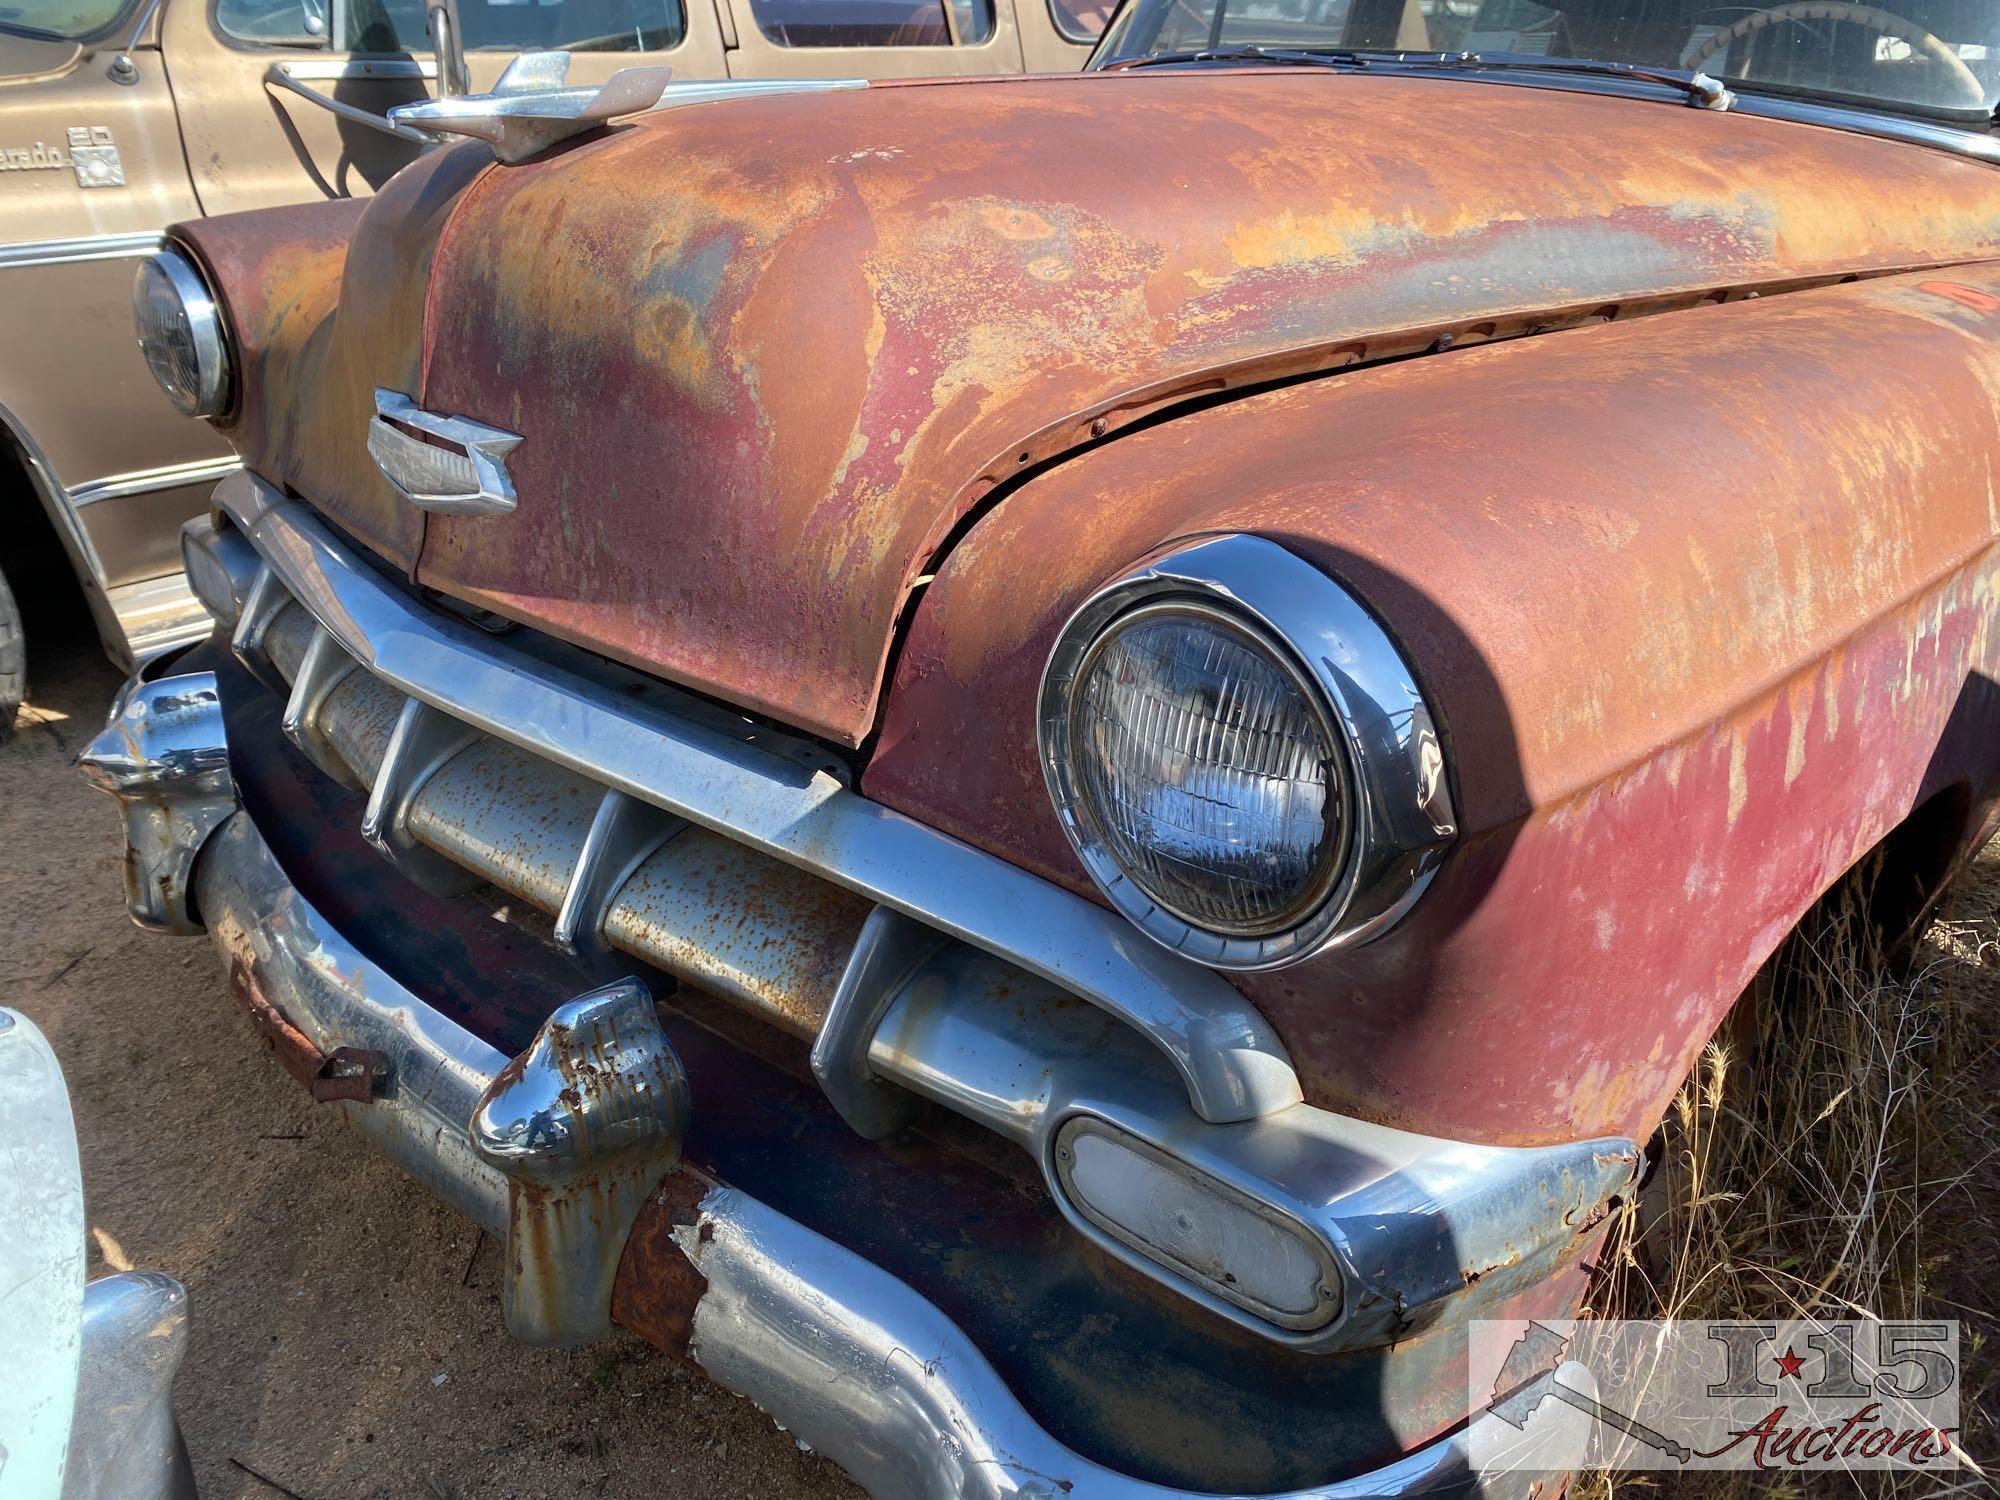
765	354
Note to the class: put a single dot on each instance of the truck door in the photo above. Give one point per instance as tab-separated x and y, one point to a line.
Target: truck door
244	73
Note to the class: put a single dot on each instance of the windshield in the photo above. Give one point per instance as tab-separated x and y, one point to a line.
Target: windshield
1929	56
72	20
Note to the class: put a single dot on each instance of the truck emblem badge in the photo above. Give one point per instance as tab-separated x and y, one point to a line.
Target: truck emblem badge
447	465
94	157
90	153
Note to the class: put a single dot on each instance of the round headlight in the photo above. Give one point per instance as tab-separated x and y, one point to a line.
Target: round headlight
180	331
1240	758
1206	770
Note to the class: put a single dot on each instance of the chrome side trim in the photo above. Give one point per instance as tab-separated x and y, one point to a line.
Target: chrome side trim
63	252
158	614
788	1318
145	481
1232	1064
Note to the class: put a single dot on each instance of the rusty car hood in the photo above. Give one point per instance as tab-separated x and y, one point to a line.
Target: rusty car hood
765	355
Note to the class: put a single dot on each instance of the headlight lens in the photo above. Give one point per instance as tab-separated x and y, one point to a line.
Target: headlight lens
180	331
1201	766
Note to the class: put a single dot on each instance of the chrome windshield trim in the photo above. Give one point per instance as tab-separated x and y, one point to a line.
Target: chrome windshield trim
80	248
1232	1064
145	481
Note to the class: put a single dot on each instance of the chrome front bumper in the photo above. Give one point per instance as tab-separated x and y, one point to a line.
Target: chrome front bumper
844	1356
710	849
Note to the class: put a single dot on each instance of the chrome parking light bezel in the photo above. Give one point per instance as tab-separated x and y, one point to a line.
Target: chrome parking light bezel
1393	790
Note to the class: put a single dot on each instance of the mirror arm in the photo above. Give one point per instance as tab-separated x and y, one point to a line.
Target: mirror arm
454	79
276	76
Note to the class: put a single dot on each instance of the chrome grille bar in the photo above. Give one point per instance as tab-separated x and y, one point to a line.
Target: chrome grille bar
792	816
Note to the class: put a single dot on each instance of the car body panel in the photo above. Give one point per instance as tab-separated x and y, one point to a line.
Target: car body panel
1705	604
762	413
199	128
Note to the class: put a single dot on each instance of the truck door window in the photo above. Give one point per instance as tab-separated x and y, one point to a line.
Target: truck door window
397	26
1081	20
874	23
69	20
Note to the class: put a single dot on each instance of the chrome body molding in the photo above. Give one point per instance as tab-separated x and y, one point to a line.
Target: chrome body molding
726	777
787	1318
157	614
583	1125
123	1444
404	457
1394	790
1423	1230
145	481
163	758
24	253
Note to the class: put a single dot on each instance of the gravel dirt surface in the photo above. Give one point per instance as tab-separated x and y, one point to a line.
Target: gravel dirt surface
347	1337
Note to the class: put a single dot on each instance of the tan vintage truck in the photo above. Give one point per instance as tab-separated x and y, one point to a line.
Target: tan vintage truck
119	117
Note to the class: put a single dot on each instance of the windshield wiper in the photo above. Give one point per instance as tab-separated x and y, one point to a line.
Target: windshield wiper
1330	57
1702	91
1700	88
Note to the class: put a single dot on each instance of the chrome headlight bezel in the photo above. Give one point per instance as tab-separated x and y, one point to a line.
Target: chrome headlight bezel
209	394
1390	780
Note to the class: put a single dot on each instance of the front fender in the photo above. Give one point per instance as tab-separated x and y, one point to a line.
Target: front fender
1704	602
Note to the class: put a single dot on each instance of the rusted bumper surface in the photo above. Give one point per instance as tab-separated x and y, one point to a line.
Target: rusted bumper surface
1051	1355
846	1356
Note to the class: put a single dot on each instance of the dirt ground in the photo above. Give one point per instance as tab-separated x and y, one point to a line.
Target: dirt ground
346	1330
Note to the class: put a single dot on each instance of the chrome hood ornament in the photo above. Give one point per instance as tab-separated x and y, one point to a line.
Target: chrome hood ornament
532	107
447	465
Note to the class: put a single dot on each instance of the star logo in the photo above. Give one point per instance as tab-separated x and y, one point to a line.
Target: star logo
1790	1363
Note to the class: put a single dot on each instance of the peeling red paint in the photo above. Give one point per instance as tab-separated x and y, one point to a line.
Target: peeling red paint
1706	604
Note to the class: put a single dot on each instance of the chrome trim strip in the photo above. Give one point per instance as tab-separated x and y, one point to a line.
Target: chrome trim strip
787	1318
1869	122
145	481
82	247
1232	1063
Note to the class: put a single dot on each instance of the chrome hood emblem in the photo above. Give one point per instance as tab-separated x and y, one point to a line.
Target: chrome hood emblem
448	465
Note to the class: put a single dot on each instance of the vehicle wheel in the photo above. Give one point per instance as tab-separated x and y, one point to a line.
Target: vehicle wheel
13	660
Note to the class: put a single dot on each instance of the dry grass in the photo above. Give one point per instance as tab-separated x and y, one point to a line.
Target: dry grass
1839	1156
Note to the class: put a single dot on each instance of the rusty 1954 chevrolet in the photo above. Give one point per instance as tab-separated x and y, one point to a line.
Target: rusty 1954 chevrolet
1125	730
